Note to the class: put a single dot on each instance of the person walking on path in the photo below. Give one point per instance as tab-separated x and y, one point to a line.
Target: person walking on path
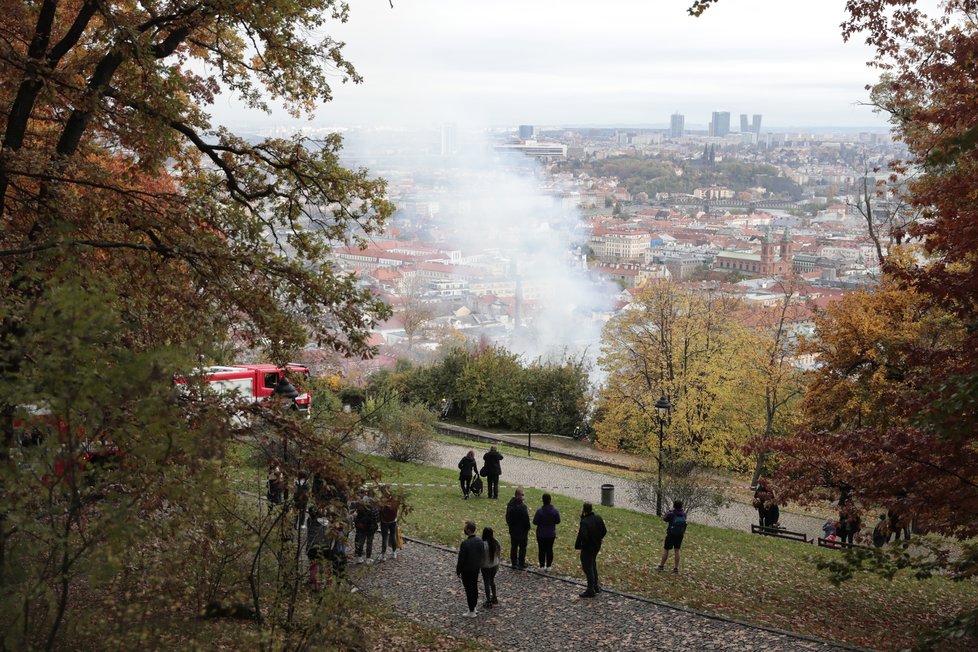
546	519
388	527
518	521
365	522
491	469
676	518
589	537
490	565
466	469
470	556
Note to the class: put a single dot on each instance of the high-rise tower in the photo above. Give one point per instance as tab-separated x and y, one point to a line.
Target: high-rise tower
720	124
677	124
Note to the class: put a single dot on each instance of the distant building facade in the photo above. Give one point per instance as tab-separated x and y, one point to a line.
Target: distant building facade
774	260
720	125
677	124
526	132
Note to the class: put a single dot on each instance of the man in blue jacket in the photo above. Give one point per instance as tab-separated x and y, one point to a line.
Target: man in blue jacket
469	565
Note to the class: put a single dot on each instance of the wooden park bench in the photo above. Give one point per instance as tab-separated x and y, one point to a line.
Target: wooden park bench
780	534
838	545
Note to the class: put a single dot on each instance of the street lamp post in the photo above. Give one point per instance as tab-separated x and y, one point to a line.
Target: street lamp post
662	407
529	428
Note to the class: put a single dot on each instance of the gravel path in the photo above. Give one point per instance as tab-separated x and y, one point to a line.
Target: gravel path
539	612
586	485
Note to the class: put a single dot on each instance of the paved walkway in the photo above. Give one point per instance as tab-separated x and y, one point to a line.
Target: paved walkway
540	612
586	485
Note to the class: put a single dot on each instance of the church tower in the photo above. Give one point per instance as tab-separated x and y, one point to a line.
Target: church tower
787	255
767	254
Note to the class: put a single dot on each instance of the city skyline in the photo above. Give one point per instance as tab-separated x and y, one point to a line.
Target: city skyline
560	63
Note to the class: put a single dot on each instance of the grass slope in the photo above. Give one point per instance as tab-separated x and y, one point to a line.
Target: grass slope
756	579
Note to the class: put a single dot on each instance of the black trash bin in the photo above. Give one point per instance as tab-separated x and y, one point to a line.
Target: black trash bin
608	495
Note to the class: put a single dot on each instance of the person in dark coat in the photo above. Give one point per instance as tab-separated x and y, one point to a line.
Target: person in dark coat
491	469
589	537
466	469
518	521
762	494
316	544
365	521
546	520
470	557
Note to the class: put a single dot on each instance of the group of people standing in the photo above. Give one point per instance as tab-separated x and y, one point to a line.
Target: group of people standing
482	555
327	520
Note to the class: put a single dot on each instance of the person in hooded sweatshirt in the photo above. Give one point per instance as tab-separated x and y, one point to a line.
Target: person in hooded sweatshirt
518	521
546	520
466	469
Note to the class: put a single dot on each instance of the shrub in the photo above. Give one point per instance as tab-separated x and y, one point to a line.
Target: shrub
407	433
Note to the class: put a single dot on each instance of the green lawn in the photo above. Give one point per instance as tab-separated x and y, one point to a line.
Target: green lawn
744	576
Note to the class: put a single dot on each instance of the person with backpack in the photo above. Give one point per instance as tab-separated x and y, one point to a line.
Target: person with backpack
491	470
470	557
589	536
676	518
546	520
518	521
466	469
490	565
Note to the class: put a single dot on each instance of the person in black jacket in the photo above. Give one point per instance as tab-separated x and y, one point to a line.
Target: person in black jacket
466	469
492	470
518	520
589	536
470	557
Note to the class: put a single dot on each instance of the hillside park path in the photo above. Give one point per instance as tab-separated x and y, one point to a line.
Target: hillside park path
542	611
585	484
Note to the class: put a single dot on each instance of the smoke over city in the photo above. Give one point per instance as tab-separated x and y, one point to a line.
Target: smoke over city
508	219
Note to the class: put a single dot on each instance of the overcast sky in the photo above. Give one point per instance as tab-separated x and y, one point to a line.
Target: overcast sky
577	62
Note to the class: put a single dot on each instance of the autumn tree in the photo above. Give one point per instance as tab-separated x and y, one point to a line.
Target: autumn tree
413	309
138	238
681	344
773	375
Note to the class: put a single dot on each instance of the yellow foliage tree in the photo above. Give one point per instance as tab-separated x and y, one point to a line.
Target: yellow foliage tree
684	345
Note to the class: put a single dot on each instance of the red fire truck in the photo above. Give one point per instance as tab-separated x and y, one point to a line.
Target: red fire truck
259	382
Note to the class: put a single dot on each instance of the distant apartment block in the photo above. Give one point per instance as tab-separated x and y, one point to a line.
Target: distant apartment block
526	132
755	125
720	125
677	123
535	149
449	139
620	245
744	124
